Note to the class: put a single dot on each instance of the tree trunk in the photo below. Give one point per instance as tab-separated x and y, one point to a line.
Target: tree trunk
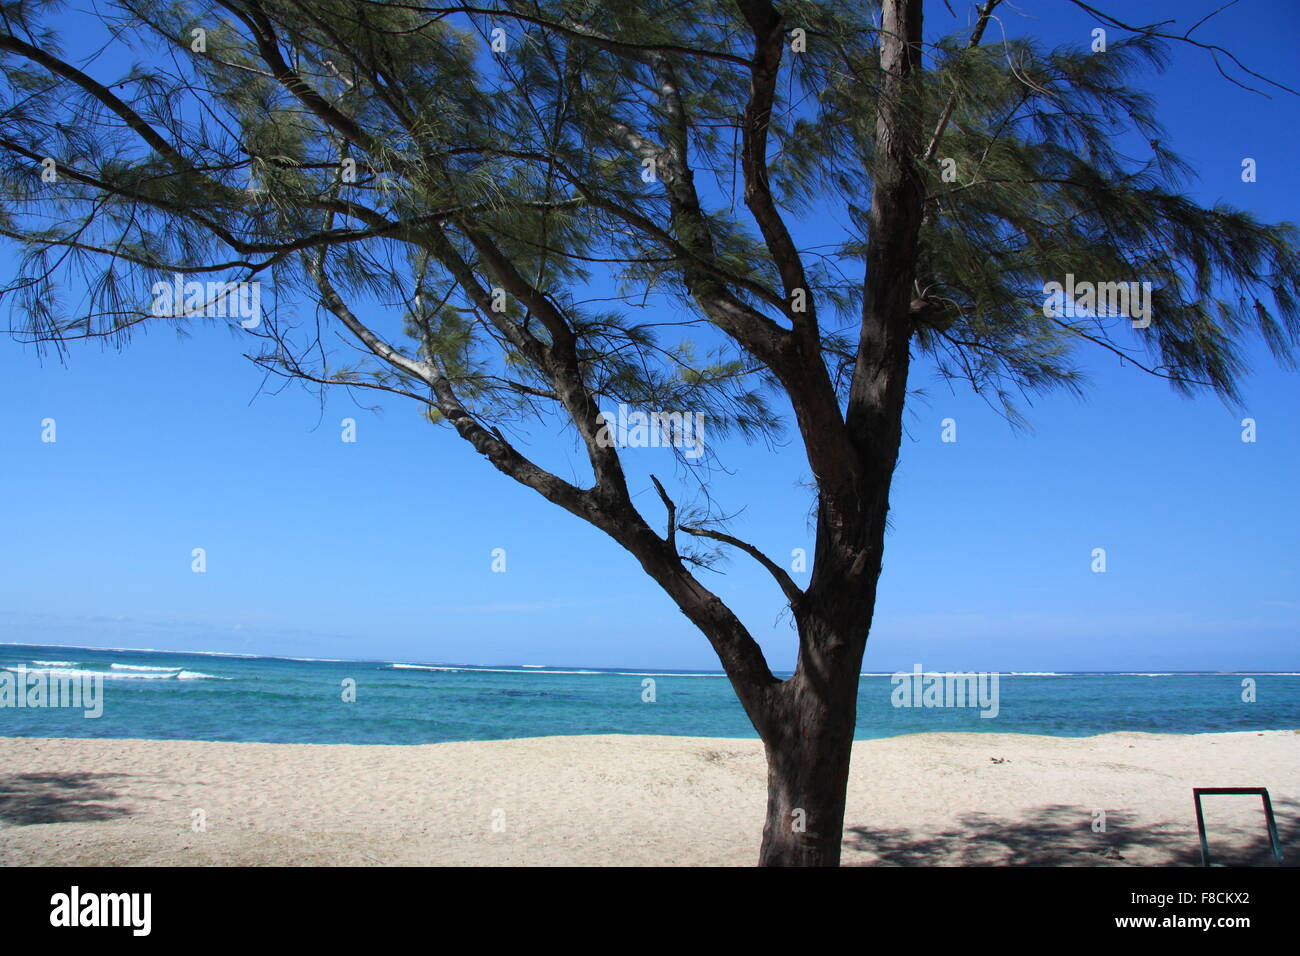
807	778
809	736
808	726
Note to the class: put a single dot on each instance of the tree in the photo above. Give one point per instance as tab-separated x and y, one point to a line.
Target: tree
464	175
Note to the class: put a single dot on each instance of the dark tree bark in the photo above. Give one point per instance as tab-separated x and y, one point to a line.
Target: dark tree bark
808	746
808	735
810	719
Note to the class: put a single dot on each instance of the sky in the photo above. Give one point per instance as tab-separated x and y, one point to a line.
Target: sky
382	548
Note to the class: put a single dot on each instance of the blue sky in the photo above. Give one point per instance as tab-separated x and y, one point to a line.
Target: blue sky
382	548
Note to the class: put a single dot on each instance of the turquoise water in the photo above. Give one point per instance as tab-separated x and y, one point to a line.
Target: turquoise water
162	695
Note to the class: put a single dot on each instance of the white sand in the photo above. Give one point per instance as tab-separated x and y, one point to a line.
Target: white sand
928	798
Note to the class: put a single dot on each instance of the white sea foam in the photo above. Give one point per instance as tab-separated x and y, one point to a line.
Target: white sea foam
78	672
449	669
144	668
661	674
485	670
55	663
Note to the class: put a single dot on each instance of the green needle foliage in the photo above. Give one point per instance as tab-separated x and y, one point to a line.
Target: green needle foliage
521	212
535	145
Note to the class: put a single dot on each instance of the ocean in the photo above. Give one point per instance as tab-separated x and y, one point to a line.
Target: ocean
193	696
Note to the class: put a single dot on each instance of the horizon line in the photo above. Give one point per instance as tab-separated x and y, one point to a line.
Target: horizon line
705	672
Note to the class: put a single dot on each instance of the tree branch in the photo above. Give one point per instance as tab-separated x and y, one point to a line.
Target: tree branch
788	587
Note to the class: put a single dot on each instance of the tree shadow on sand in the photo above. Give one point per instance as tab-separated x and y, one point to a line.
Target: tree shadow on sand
28	798
1062	835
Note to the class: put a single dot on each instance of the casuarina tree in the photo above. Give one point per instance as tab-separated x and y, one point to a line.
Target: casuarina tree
527	212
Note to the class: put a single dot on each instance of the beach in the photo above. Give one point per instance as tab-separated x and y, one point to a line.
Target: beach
636	800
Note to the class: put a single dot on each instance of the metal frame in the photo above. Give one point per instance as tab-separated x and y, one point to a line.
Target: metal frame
1198	792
